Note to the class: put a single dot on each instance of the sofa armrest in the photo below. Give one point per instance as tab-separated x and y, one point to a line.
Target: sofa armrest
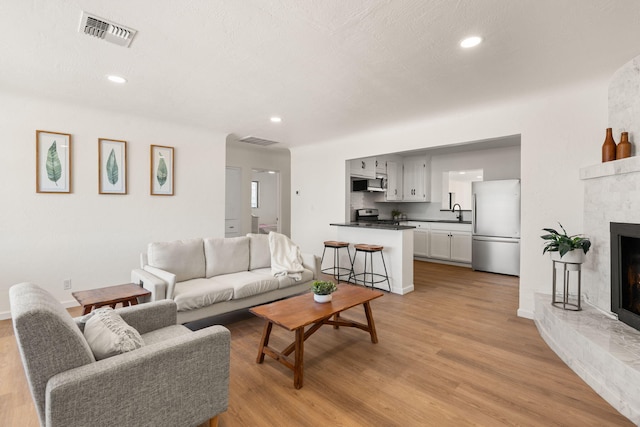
151	316
156	285
167	277
312	262
180	381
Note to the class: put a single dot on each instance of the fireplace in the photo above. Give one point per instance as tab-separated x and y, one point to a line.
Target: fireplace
625	272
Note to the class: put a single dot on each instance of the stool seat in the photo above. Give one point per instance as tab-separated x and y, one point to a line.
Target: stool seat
368	248
336	244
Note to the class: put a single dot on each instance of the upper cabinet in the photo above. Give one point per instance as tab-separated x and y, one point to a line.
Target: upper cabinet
394	180
381	165
363	168
417	179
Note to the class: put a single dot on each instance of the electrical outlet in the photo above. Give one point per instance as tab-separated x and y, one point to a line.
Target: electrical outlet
67	284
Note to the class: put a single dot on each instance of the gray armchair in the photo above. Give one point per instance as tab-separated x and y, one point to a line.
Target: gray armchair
178	378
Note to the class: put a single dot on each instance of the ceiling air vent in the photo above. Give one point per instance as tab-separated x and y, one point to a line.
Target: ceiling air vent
109	31
257	141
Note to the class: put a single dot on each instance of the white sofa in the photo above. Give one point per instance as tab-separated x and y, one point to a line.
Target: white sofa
206	277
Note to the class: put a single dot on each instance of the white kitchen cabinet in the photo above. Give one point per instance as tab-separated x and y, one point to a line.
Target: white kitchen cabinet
394	181
460	246
420	238
450	245
416	179
381	165
363	168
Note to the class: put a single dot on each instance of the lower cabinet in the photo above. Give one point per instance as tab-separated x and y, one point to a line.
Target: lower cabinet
421	242
450	245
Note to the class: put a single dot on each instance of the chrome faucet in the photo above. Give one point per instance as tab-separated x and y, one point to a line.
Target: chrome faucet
459	210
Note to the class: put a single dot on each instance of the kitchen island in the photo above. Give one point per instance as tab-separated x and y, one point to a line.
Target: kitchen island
398	251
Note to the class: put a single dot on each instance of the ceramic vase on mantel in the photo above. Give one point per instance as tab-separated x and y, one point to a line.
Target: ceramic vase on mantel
623	150
608	147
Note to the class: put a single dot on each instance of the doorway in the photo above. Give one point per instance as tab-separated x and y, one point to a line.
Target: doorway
265	201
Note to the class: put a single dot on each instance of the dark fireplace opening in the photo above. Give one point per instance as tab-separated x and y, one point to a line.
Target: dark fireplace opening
625	272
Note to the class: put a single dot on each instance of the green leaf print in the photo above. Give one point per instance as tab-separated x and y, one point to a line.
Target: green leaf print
54	168
112	168
162	172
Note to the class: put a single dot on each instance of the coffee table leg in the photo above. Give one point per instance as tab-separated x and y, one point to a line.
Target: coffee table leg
336	317
299	358
370	323
87	309
266	333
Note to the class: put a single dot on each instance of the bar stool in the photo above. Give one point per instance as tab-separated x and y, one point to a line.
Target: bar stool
369	249
336	270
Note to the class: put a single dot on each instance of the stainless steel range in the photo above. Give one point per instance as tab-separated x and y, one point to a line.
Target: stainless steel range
372	216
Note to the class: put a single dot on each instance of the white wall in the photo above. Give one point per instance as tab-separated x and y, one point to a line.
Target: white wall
93	239
560	132
247	158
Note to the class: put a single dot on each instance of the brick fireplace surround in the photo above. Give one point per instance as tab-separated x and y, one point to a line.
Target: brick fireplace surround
601	350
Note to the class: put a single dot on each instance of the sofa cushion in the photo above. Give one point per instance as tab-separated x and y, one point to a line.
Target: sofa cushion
259	251
247	283
286	281
184	258
225	255
108	334
198	293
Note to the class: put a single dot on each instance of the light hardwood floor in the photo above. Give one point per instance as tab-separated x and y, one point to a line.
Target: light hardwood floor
452	353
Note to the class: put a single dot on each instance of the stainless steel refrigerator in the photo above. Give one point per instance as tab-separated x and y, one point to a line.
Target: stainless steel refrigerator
496	226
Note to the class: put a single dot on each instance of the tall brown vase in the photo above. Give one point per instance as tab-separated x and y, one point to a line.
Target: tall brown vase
609	147
623	150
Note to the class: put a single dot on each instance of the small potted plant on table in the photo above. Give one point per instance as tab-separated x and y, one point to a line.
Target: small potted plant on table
322	290
565	248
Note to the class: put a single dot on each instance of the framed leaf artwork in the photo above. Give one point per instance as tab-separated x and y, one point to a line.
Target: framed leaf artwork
53	162
162	170
112	166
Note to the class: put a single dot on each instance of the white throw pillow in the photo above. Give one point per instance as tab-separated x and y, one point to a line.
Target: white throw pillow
108	334
226	255
184	258
259	251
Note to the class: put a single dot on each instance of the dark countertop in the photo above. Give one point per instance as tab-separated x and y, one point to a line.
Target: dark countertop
374	226
450	221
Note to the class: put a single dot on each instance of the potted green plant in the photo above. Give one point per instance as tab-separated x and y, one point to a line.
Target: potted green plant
565	248
395	214
322	290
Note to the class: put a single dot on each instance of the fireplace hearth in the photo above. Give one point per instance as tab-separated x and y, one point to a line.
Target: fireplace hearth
625	272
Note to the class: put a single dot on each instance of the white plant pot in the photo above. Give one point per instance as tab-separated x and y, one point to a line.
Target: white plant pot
574	257
322	298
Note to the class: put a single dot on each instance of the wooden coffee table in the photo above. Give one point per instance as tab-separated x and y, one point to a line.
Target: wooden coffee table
298	312
126	294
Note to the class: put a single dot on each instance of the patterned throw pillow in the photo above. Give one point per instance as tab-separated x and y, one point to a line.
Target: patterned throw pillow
108	334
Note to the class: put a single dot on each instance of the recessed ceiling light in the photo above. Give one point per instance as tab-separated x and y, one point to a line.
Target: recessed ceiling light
116	79
471	42
275	119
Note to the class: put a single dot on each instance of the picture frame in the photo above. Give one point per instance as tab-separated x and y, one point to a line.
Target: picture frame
162	179
53	162
112	166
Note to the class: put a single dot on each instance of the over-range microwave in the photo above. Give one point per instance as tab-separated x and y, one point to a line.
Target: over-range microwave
377	184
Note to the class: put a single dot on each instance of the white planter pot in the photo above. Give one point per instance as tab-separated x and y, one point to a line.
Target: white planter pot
322	298
574	257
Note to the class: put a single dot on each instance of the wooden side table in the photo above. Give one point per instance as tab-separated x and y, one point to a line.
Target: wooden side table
126	294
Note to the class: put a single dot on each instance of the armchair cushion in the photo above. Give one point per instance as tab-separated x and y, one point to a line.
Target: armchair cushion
107	334
184	258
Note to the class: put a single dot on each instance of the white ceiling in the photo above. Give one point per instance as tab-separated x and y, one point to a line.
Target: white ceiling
327	67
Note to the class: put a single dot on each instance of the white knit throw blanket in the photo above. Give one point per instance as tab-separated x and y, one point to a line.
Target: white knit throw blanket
286	259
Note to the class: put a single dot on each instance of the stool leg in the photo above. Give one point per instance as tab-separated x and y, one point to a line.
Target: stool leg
353	273
386	275
350	262
364	277
322	259
336	264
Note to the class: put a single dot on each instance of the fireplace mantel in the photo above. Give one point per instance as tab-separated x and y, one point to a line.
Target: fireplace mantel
616	167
